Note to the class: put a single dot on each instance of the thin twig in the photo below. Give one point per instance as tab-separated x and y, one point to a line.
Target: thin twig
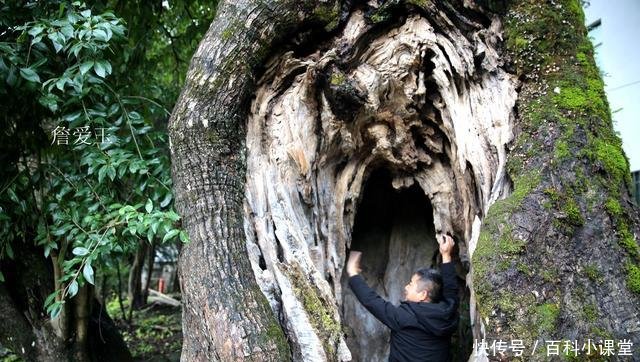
150	101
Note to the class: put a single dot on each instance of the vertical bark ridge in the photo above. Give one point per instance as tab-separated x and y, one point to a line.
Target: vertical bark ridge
225	315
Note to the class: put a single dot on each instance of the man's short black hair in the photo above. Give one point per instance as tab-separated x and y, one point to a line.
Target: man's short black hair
431	281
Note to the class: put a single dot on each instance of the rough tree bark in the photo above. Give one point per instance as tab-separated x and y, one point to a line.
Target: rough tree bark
174	284
306	129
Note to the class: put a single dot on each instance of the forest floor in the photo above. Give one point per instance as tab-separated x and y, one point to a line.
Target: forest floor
155	333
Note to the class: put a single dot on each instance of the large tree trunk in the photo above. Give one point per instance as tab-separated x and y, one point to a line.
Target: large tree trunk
304	131
558	258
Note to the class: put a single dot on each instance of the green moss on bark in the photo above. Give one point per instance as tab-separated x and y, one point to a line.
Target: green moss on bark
562	151
337	78
273	333
319	311
627	241
590	312
546	317
572	210
328	15
563	112
593	273
633	277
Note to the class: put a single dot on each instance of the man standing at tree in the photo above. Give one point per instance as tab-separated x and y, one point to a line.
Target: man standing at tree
421	326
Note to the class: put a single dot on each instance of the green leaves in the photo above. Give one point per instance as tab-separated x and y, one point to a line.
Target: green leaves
106	170
101	173
80	251
35	30
111	172
100	34
184	237
55	309
58	40
100	67
87	272
166	200
73	288
53	306
50	101
86	66
170	234
30	75
96	201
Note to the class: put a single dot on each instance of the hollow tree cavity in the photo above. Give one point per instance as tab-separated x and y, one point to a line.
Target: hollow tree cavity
421	102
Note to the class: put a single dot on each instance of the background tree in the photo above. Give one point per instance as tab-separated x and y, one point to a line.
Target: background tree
85	177
494	114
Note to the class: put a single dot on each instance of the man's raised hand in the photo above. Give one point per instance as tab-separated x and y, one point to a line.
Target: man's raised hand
353	264
446	247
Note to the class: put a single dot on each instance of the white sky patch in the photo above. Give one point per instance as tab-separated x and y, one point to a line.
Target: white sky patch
617	58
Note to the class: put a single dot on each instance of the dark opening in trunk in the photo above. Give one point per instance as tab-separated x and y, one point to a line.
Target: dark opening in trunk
395	231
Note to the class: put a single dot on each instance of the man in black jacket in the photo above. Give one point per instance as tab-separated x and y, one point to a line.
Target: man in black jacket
421	326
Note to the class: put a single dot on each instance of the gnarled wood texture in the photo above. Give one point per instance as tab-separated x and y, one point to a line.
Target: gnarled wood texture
292	111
